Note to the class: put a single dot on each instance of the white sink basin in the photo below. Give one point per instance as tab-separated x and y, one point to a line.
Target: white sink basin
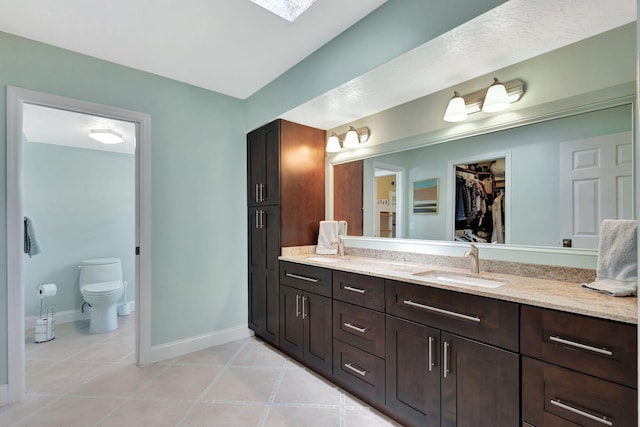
448	278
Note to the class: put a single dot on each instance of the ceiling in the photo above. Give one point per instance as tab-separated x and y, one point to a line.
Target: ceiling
68	128
189	41
227	46
510	33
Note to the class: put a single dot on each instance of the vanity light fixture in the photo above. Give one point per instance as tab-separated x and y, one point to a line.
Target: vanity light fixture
487	100
350	139
496	99
333	143
456	110
106	136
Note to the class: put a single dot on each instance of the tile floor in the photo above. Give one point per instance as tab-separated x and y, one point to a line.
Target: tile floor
82	380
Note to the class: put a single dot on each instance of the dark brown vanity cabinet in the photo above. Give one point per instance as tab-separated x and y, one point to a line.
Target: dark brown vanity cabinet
285	199
359	335
438	378
577	370
305	315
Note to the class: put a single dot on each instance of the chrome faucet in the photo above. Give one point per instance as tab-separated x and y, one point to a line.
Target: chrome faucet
475	263
340	246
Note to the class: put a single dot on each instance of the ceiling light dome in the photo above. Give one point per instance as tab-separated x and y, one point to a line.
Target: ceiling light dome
106	136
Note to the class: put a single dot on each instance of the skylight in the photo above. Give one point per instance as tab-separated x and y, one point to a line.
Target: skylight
287	9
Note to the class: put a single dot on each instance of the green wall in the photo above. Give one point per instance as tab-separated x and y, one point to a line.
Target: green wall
198	183
82	203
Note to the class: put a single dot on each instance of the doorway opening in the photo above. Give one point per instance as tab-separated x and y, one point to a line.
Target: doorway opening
18	101
388	196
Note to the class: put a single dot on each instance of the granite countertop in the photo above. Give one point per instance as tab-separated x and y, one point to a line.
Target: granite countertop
553	294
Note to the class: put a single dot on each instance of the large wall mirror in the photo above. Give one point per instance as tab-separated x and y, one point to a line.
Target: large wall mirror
528	169
568	161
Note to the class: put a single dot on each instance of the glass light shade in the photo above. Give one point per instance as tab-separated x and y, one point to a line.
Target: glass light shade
106	136
456	110
496	98
351	139
333	144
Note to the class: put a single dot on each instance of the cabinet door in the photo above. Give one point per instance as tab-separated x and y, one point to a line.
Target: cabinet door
291	323
264	249
318	340
480	384
413	372
263	160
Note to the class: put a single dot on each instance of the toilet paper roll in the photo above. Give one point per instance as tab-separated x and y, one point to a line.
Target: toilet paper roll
47	290
41	326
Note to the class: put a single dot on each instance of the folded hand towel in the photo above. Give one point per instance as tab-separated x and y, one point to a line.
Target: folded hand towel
327	238
31	246
617	268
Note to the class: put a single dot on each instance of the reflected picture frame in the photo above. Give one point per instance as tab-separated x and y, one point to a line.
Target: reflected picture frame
425	196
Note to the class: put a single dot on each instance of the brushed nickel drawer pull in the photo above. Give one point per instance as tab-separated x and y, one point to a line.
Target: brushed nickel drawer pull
431	354
445	361
599	419
582	346
355	328
352	289
304	301
307	279
297	305
257	193
354	369
441	311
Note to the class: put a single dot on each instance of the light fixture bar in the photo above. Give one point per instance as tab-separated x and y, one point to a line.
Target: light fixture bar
333	142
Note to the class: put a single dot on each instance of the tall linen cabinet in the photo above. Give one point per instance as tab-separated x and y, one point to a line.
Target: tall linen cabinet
285	200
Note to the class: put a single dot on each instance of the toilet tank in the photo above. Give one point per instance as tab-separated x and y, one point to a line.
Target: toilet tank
100	270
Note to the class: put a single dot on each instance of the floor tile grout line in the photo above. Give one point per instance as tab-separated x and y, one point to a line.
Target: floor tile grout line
272	396
342	409
215	380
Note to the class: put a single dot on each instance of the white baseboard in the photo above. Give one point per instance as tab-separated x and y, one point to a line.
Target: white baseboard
66	316
189	345
4	395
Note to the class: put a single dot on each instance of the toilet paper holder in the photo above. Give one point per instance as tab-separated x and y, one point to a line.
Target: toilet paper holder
45	324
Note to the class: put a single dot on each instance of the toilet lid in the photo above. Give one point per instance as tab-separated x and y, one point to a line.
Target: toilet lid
102	288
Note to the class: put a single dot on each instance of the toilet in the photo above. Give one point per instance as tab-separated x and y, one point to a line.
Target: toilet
101	286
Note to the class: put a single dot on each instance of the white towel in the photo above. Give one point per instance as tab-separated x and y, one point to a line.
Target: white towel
327	238
617	269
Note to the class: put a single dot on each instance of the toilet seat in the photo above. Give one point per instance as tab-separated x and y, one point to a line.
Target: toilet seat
103	288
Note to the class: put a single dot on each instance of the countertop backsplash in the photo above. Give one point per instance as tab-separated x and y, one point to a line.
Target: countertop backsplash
539	271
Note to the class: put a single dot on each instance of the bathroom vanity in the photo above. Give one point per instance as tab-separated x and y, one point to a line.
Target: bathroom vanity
529	352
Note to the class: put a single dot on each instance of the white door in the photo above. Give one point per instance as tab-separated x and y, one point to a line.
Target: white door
588	166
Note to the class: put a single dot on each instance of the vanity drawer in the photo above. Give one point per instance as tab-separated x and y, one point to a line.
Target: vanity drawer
360	327
484	319
598	347
316	280
555	396
365	291
359	371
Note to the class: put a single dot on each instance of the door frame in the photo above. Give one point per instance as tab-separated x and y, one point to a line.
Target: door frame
16	97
